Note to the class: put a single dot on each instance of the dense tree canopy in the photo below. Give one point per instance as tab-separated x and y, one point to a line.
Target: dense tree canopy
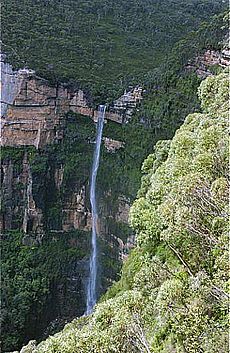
98	44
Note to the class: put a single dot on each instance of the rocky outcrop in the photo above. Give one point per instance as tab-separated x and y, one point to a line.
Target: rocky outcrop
122	214
33	216
202	63
33	111
7	191
112	145
75	214
122	109
36	115
19	209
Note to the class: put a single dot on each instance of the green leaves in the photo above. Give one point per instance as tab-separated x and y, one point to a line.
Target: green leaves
95	43
214	93
30	274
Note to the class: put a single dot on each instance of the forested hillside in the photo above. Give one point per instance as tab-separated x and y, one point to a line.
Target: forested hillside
100	45
172	295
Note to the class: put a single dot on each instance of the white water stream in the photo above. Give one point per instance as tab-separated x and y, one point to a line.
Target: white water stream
91	288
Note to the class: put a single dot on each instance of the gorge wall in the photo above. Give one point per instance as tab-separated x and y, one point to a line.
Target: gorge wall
47	138
45	201
34	114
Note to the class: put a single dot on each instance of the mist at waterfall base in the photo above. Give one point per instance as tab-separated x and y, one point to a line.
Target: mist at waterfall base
91	287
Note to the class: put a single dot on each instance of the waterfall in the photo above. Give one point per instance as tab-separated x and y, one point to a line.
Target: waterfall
91	289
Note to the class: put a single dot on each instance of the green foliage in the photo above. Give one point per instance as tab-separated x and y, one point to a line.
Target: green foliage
10	152
172	295
214	93
103	46
74	152
39	163
29	275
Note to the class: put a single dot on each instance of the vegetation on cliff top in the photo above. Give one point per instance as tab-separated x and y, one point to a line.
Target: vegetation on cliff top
100	45
172	295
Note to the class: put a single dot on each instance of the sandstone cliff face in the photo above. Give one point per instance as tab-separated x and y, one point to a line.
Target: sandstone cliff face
75	212
203	63
36	116
33	111
20	206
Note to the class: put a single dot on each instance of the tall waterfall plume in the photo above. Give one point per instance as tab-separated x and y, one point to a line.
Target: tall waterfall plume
91	289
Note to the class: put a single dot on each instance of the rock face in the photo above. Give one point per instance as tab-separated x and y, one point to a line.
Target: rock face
210	58
75	213
33	111
10	84
122	108
33	217
21	209
112	145
36	115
